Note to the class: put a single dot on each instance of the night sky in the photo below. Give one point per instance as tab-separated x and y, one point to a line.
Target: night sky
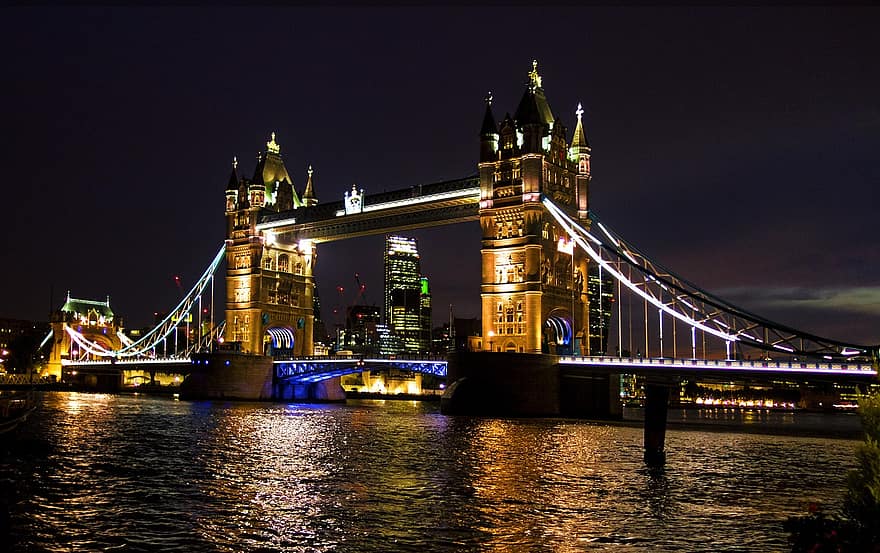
737	147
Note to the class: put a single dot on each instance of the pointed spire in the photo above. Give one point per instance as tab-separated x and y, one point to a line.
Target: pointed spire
489	126
233	178
580	138
308	197
579	152
258	170
533	108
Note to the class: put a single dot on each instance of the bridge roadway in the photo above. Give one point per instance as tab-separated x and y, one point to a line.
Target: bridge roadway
725	369
315	368
441	203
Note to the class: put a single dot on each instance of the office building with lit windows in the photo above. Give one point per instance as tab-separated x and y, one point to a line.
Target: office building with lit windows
600	290
407	298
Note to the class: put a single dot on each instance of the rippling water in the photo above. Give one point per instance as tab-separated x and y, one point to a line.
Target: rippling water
135	473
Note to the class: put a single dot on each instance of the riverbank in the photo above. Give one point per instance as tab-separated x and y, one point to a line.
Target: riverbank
393	397
789	422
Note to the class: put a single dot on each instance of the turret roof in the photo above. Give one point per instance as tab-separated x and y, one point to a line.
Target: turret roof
579	140
309	192
233	178
74	305
270	166
489	126
533	107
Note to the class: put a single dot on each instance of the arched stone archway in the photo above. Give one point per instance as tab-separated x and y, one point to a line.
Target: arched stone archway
278	341
558	334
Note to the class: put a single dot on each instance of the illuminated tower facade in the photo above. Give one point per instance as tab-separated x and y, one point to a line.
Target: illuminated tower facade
533	292
94	320
403	295
269	279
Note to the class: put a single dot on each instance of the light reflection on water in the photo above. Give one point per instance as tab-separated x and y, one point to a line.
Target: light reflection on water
94	473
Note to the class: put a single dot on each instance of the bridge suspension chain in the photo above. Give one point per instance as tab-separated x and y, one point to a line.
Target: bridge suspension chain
161	331
688	303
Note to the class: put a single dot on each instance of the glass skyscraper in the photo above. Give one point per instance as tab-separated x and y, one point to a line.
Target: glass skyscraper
600	288
407	301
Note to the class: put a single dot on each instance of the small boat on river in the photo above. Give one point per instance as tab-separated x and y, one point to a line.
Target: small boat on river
15	407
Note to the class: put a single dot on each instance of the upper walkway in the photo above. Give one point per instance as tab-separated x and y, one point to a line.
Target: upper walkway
421	206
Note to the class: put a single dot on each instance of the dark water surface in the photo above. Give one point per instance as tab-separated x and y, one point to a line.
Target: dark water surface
135	473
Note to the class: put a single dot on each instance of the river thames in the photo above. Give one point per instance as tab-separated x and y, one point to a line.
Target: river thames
136	473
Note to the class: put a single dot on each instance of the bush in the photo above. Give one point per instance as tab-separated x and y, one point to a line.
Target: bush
858	530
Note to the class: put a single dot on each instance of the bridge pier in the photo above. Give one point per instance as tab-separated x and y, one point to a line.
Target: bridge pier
228	375
500	384
656	411
329	391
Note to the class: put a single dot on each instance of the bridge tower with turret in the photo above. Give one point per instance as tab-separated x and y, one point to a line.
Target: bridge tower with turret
533	287
269	276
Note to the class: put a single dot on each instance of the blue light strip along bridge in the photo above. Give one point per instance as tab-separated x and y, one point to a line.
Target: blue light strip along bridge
314	369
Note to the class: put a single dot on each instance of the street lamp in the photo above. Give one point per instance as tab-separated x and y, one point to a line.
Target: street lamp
491	335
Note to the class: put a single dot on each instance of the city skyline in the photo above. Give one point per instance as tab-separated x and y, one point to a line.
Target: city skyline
758	148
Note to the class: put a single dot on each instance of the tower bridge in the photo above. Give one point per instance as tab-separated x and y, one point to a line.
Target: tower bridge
553	280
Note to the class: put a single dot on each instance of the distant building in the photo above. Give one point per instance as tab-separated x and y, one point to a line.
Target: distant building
424	315
600	290
407	297
465	336
361	333
19	343
320	330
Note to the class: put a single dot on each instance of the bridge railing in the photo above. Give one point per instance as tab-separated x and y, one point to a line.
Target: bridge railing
357	357
746	364
134	361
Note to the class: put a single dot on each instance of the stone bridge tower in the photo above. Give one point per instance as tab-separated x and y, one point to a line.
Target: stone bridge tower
269	276
94	320
533	287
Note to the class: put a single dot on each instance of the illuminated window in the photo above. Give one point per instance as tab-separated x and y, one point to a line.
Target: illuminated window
298	268
267	263
241	294
283	263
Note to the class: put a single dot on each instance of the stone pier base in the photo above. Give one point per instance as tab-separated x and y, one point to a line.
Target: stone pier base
329	390
229	375
521	384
